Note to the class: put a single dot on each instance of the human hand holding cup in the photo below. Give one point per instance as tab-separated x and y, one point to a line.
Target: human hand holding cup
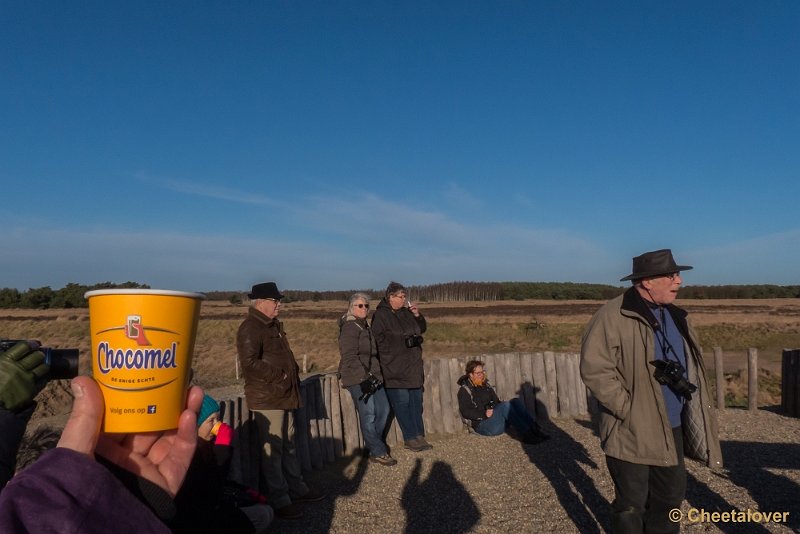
142	347
163	458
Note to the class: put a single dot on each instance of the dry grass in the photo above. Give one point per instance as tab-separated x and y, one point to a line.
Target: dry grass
454	329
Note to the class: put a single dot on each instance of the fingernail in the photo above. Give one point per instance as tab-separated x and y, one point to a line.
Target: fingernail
77	390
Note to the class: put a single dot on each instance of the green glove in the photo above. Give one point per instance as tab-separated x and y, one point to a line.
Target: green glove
22	369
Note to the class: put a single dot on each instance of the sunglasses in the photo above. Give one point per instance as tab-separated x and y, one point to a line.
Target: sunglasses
362	306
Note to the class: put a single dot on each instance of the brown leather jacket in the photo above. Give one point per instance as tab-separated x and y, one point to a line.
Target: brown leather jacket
271	374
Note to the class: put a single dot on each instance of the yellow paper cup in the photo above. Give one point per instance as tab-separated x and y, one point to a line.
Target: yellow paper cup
142	346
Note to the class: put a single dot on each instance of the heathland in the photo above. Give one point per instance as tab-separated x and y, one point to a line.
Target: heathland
454	330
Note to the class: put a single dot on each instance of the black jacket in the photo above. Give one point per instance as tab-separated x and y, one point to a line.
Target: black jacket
401	366
472	399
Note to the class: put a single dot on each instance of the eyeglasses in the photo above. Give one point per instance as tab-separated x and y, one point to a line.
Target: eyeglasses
478	372
361	306
672	276
276	301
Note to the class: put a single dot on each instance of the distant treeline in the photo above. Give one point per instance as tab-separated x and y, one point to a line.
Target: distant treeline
71	296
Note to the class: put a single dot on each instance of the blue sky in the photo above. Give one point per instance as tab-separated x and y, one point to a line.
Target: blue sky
337	145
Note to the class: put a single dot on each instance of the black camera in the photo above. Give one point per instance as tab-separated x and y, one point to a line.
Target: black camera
63	362
671	373
368	387
491	404
414	340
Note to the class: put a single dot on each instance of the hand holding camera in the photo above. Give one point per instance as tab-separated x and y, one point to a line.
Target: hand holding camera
23	373
368	387
490	408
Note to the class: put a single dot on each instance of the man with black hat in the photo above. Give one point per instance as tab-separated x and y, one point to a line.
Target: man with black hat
642	362
272	390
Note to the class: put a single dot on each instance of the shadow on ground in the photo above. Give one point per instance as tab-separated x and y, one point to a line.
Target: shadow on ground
560	459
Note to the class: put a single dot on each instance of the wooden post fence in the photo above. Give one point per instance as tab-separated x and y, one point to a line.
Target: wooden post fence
719	379
548	383
752	379
790	382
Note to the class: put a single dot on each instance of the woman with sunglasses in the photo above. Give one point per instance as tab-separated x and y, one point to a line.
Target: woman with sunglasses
360	374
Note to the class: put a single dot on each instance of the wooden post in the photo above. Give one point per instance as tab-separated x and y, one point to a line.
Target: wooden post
543	410
564	385
515	374
351	429
444	394
719	373
790	382
326	426
432	405
228	416
582	406
310	401
489	368
752	379
336	417
456	371
301	437
526	376
251	448
551	394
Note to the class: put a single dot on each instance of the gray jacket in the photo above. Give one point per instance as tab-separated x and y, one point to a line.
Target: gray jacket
357	350
617	345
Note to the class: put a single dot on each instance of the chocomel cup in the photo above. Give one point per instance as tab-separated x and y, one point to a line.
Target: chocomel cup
142	346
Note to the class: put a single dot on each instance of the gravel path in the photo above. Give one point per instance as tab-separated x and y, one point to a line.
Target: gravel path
469	483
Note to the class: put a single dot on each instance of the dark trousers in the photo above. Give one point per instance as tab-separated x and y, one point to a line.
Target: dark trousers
646	493
407	406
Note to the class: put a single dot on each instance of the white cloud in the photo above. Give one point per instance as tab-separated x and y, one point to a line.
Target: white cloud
215	192
359	241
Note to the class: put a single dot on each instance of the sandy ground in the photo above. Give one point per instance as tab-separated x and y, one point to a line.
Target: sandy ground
469	483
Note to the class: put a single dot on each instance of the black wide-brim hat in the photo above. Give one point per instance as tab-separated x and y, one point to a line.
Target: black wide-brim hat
655	263
267	290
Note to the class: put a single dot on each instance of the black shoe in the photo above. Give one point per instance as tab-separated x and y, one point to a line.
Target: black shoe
383	460
290	511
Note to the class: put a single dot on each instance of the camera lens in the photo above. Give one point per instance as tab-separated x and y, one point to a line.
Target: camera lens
63	363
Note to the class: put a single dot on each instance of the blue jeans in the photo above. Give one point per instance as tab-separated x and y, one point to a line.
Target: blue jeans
506	413
372	417
407	405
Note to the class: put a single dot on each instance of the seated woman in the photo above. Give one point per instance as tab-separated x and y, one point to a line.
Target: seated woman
478	403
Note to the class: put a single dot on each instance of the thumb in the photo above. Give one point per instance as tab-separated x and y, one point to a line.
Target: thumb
81	431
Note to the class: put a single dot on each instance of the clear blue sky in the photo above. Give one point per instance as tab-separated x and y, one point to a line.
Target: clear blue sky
337	145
